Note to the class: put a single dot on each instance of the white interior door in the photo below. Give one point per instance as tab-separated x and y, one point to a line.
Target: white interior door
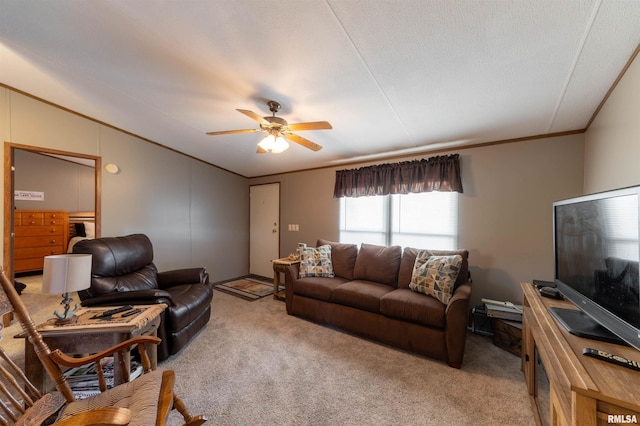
264	228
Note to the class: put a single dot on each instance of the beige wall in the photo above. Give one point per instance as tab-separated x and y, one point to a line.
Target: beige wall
612	148
198	214
505	212
66	185
194	213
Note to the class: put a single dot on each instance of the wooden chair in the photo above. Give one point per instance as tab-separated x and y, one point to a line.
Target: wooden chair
22	404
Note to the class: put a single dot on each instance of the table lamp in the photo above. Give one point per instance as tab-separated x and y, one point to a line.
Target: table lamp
66	273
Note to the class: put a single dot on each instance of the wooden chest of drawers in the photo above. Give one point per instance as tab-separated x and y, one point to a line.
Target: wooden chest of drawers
38	233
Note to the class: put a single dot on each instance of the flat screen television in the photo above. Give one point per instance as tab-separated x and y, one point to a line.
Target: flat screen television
597	248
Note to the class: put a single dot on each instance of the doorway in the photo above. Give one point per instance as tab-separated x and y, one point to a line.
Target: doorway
264	228
9	187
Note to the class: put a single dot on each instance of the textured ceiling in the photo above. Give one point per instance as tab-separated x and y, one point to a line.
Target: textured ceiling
392	77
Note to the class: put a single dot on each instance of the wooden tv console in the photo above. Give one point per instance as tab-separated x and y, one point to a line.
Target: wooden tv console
583	391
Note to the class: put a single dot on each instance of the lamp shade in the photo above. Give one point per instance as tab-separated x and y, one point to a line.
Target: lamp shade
279	145
66	273
273	144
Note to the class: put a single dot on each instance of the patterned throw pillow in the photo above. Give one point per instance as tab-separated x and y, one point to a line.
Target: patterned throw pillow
316	262
435	275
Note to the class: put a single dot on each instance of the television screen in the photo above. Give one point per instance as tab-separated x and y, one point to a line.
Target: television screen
597	249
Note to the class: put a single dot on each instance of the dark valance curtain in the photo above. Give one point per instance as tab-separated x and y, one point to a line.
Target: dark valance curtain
440	173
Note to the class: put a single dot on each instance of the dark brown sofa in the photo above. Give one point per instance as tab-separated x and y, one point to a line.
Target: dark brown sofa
370	296
123	273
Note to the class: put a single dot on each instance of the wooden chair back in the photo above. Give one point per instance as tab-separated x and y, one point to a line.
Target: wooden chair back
20	401
23	404
11	301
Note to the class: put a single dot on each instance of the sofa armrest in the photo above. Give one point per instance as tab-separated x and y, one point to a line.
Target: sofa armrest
460	297
457	314
290	278
175	277
135	297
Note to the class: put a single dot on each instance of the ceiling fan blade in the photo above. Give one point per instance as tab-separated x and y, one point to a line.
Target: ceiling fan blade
312	125
261	150
302	141
228	132
254	116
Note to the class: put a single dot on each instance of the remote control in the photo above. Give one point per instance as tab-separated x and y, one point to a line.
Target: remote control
539	284
111	312
554	293
131	312
614	359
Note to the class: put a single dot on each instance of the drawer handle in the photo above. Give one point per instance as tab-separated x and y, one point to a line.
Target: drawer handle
53	241
32	222
53	222
52	230
53	251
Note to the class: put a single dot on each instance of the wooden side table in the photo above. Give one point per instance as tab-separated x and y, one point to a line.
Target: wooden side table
279	266
566	387
91	336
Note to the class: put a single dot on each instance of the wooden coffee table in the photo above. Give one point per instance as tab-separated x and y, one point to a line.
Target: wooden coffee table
89	336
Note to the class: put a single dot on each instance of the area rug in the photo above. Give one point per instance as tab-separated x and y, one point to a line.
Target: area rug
246	288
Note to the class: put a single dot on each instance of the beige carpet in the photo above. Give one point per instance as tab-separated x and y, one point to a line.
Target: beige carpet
255	365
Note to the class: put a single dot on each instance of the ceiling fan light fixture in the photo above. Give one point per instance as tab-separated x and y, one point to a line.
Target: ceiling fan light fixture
278	131
273	144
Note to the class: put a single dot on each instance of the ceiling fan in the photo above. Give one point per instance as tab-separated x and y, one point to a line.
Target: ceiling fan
278	130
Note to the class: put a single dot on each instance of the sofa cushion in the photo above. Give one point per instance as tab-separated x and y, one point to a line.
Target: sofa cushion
407	305
316	262
317	287
360	294
435	275
119	264
343	257
378	263
140	396
115	256
409	259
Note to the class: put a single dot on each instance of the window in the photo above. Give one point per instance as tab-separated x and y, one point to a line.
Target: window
620	215
422	220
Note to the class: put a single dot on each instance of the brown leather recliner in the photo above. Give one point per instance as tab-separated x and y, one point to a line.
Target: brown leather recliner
123	273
